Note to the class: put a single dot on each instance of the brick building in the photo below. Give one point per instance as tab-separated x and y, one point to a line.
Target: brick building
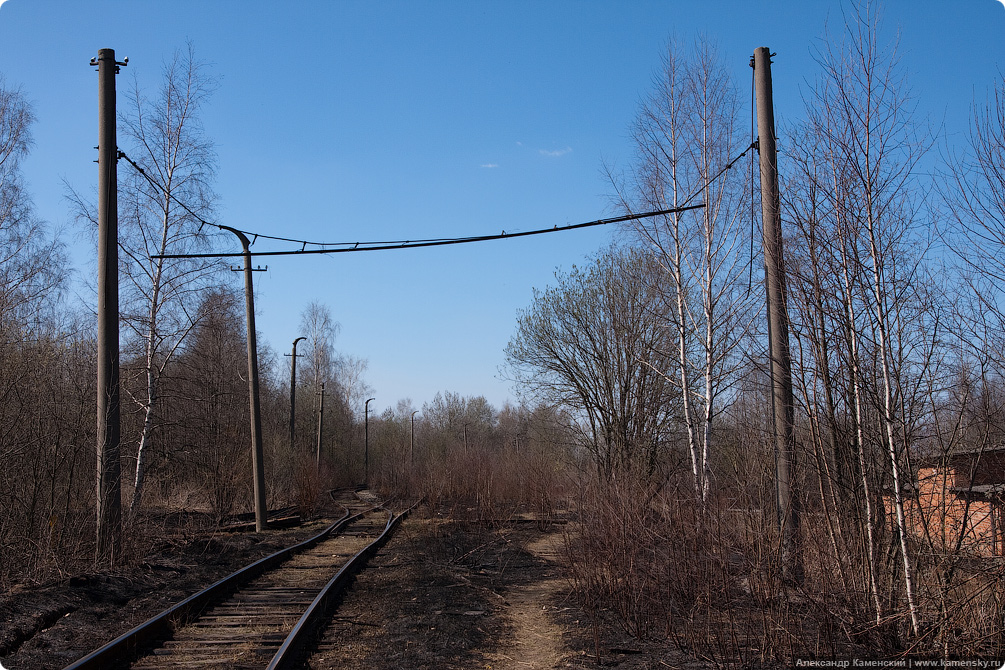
962	492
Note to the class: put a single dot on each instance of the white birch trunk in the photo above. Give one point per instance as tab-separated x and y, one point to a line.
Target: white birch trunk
152	369
888	421
857	398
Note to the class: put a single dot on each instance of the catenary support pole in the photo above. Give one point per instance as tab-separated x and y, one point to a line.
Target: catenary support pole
109	468
293	396
366	441
411	442
321	424
778	321
257	450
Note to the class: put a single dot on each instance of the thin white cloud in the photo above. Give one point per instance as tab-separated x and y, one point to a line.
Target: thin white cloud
490	165
555	153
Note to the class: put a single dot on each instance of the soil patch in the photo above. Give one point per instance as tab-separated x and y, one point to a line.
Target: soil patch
52	625
440	595
453	595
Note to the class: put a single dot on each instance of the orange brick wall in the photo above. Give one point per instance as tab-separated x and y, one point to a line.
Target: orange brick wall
946	514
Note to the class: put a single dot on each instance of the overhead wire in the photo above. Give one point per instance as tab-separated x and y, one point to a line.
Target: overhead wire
386	245
347	247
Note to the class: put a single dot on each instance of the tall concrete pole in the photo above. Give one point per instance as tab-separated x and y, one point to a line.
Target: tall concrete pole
109	475
321	423
411	442
257	451
778	320
293	396
366	441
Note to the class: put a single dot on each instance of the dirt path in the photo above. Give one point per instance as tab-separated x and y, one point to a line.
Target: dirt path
537	636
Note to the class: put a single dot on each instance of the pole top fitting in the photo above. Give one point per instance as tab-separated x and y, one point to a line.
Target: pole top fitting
109	54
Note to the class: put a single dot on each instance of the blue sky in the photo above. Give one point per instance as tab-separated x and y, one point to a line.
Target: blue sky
361	120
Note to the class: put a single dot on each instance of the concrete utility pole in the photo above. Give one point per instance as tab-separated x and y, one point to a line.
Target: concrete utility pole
109	491
366	441
293	396
778	320
321	422
411	442
257	451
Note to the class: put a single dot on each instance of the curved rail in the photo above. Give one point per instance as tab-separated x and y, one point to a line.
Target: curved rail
128	646
292	650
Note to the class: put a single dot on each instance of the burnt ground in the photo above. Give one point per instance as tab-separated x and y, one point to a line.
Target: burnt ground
52	625
451	595
440	594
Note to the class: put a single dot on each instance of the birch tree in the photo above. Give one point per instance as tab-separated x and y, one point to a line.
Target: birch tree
685	135
320	328
868	147
826	296
159	296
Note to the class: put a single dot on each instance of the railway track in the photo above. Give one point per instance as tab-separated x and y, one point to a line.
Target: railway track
264	616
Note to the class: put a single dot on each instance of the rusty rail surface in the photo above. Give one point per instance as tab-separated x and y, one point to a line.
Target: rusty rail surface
298	589
305	632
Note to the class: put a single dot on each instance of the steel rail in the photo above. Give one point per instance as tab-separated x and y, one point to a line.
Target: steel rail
128	646
294	648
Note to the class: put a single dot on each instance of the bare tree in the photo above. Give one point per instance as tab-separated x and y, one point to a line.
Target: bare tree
595	344
207	393
350	379
828	373
47	387
685	135
320	328
31	261
973	191
323	370
158	294
861	151
453	421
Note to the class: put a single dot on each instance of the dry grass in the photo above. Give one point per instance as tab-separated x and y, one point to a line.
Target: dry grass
708	580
